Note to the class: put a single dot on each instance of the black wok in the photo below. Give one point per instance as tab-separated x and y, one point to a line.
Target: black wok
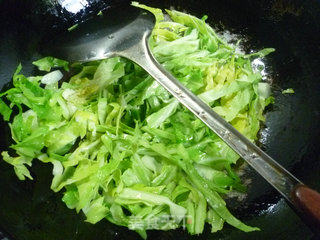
30	210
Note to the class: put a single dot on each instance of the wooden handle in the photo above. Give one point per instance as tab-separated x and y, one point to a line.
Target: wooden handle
307	201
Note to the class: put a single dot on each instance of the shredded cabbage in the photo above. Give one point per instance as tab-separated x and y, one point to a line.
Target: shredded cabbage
122	148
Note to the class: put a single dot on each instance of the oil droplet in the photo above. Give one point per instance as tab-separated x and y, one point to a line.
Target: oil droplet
253	156
178	91
226	134
259	66
203	114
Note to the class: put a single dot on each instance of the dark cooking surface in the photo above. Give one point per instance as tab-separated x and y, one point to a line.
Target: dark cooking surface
30	210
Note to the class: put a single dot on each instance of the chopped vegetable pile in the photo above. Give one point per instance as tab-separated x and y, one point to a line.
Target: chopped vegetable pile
122	148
